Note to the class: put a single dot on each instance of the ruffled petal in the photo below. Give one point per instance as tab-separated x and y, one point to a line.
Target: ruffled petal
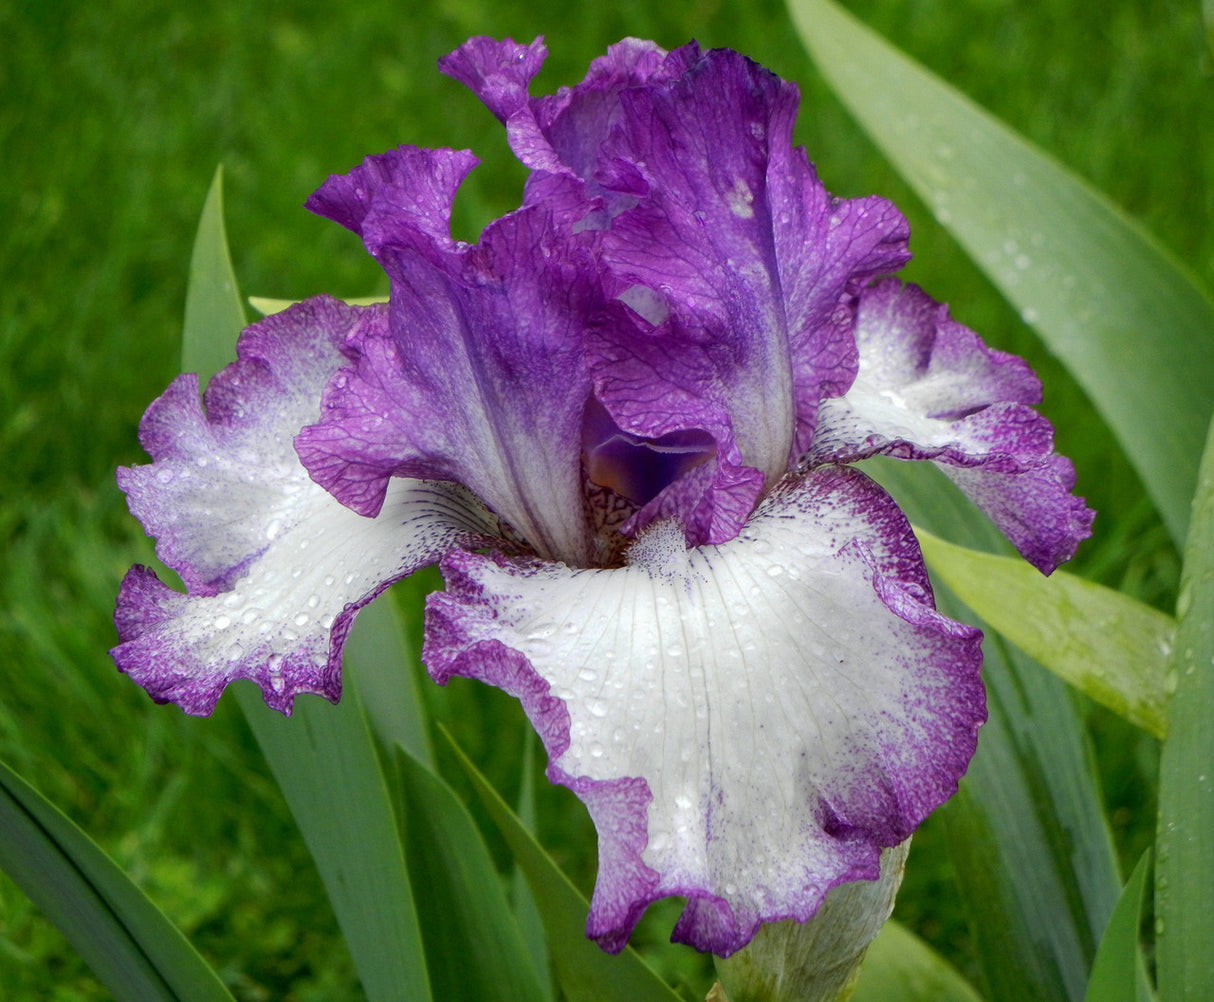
275	568
750	723
480	377
718	232
559	133
928	388
389	197
740	236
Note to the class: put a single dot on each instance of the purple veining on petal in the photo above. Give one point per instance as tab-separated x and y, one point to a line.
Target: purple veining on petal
740	235
275	568
751	268
929	389
1034	508
652	381
800	664
558	133
496	72
392	196
481	379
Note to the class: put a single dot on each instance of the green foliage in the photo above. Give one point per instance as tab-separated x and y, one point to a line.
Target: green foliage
1026	830
132	948
213	311
1117	973
1106	644
475	950
584	972
899	965
1184	867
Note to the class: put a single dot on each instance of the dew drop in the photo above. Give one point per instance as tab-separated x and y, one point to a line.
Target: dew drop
222	622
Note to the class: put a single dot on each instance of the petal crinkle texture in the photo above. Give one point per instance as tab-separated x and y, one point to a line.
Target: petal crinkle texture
749	723
929	389
747	268
480	376
275	567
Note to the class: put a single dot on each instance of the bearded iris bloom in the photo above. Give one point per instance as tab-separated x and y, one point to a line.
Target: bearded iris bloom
620	423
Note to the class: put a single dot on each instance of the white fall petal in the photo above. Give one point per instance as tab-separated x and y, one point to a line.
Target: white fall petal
790	699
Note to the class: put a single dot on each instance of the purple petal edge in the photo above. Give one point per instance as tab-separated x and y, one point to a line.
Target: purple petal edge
929	389
275	568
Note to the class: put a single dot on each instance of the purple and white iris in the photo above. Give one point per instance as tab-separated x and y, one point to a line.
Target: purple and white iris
619	424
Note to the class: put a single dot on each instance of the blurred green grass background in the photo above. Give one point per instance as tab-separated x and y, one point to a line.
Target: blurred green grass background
112	120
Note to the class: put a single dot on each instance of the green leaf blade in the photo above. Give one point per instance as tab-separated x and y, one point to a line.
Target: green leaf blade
475	950
214	314
131	947
1106	644
1127	320
1117	974
1184	869
326	764
899	965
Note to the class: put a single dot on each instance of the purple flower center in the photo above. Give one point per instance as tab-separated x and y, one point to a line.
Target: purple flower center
637	468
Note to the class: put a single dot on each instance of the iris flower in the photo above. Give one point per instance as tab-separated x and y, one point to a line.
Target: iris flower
621	424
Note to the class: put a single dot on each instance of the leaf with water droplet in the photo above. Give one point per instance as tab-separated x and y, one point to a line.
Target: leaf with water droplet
1108	645
1184	874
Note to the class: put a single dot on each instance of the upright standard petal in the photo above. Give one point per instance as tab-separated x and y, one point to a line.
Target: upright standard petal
558	133
480	376
719	234
748	249
275	568
748	724
928	388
